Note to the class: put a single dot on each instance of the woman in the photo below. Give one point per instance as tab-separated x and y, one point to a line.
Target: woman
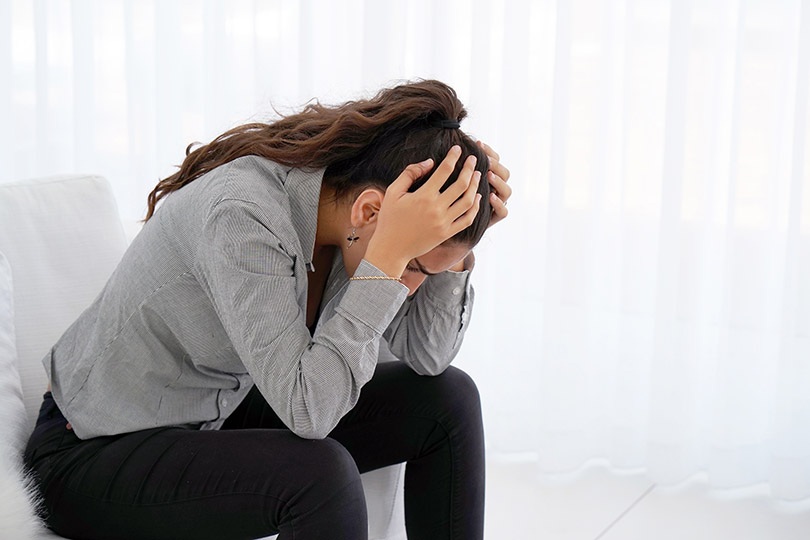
213	388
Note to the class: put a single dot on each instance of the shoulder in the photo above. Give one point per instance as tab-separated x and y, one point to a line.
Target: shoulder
256	194
249	197
249	178
248	182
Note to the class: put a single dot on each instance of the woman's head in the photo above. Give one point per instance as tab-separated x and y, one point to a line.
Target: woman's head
412	122
362	144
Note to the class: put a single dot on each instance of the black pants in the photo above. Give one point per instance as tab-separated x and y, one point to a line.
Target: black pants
255	478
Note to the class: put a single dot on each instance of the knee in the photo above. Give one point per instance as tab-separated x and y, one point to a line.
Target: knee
463	386
330	468
328	500
457	394
328	472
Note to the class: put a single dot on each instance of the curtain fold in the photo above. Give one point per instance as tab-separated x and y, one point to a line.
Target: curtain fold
647	299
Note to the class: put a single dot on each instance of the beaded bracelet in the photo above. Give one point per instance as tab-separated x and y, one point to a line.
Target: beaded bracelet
376	277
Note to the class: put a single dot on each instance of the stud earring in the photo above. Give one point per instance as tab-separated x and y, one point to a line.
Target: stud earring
351	238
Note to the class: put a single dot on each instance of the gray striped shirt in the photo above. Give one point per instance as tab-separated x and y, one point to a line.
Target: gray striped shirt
210	298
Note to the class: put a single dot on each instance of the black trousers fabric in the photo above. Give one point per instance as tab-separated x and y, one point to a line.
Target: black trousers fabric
254	477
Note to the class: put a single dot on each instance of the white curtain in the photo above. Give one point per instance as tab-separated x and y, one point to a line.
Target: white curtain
648	299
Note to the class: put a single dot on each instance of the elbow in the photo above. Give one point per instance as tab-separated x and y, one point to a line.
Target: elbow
432	363
311	432
430	368
434	372
314	426
428	363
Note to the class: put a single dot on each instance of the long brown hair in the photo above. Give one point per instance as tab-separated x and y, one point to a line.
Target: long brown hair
363	143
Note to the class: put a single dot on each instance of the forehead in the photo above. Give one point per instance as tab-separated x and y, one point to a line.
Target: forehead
442	257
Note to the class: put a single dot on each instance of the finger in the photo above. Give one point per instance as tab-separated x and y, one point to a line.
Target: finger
500	186
499	210
467	200
443	171
462	183
492	154
411	174
466	219
498	168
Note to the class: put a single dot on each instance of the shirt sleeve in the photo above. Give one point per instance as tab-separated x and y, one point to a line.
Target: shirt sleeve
428	330
249	275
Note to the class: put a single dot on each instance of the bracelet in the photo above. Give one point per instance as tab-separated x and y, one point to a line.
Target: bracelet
376	277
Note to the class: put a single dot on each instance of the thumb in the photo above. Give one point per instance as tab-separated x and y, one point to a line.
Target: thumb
411	174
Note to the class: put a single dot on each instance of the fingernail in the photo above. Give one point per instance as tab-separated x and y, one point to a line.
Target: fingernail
472	159
477	197
456	149
427	161
477	176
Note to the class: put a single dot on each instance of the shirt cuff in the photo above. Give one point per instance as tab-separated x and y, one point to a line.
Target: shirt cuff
374	302
448	285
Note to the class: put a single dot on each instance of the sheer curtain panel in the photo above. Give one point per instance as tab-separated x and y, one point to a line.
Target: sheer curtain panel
646	302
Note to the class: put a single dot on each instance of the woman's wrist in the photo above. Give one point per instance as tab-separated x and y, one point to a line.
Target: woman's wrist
385	262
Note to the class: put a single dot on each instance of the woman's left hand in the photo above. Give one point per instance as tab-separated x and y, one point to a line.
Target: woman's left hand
497	176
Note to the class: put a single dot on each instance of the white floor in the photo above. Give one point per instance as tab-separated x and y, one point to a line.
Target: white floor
598	503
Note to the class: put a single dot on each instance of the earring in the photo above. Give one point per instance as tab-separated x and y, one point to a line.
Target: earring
351	238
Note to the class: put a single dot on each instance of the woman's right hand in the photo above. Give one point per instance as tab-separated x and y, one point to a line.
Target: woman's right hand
411	224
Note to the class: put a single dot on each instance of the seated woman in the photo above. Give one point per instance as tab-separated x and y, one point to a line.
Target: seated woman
225	383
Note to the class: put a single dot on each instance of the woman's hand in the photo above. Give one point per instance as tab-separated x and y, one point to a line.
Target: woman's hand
411	224
497	176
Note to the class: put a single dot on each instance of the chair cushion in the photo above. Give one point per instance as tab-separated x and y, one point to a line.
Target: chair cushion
17	516
13	428
63	238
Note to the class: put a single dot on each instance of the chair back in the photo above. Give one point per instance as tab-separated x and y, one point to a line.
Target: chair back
63	238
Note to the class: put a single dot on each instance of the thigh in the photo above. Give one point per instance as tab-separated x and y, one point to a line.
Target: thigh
176	482
397	412
402	415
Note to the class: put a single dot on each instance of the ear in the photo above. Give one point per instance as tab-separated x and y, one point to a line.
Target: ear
366	207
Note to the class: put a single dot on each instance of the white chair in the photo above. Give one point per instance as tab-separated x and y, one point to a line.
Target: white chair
62	237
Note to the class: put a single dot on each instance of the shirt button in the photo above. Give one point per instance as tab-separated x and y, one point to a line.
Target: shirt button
224	402
457	291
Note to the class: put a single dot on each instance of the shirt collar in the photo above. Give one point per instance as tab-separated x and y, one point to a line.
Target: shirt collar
304	188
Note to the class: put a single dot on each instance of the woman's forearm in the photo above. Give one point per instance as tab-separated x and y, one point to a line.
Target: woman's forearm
427	333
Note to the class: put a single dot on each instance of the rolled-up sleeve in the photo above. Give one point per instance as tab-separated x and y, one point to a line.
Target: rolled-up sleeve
249	276
429	329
